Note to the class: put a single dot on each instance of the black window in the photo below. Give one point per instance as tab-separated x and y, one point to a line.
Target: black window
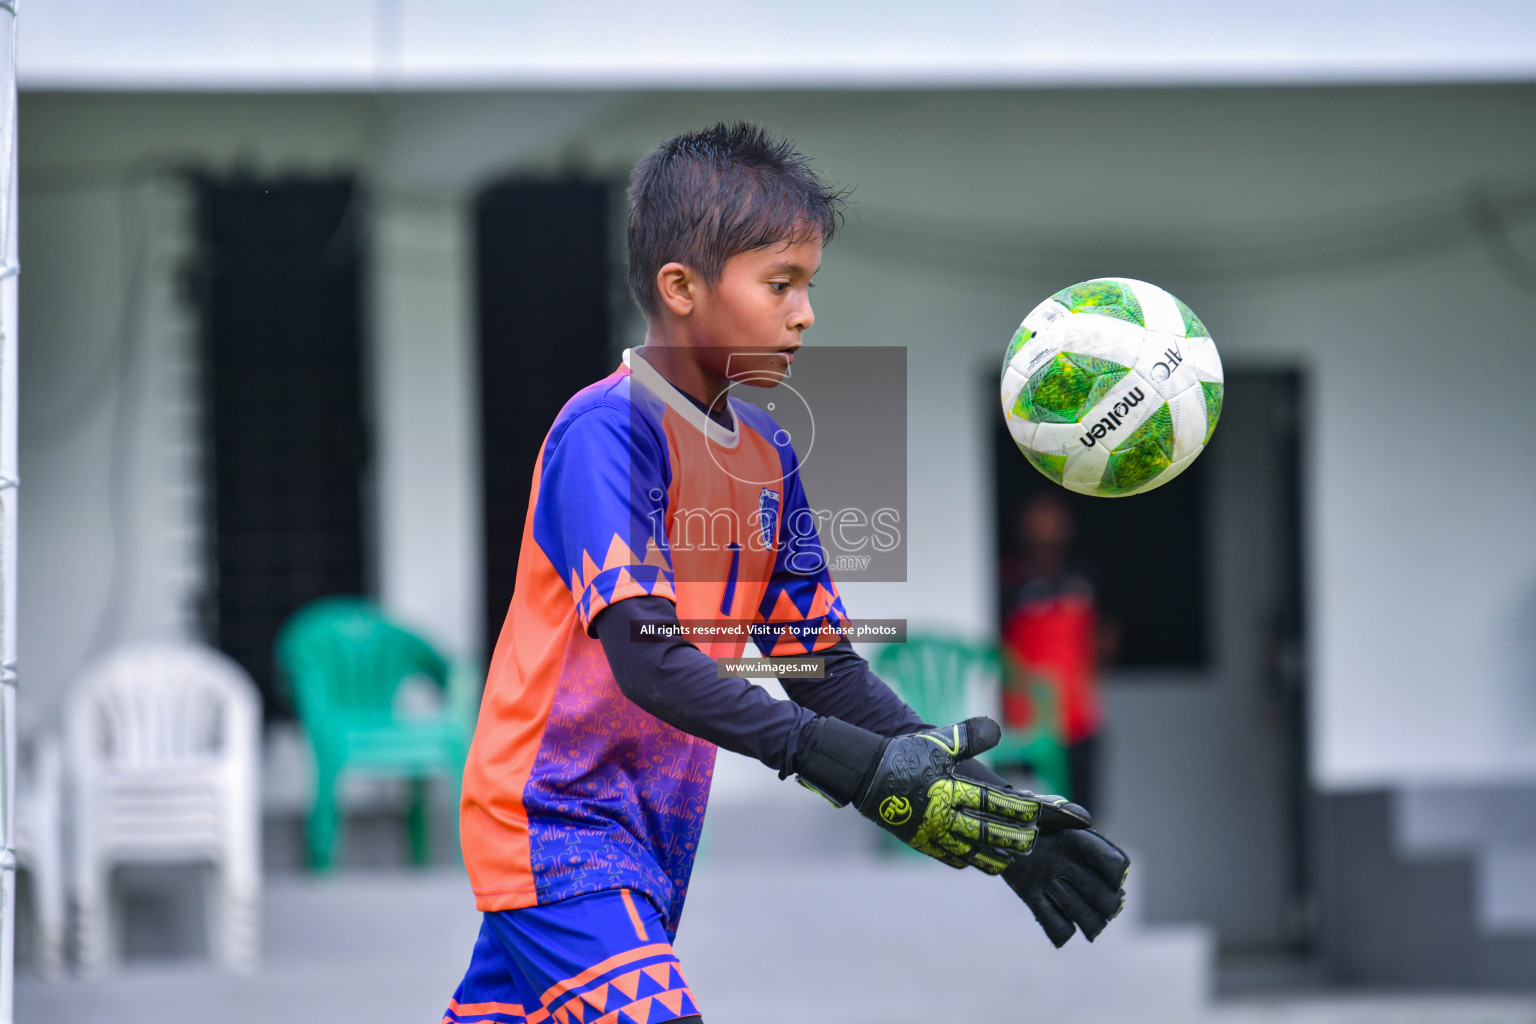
542	262
279	294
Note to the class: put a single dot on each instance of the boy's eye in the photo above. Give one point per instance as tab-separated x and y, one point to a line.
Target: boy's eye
779	286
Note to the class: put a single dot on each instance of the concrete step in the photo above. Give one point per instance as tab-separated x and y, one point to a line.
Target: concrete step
1493	827
898	941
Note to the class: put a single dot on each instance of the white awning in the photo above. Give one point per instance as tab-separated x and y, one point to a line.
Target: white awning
497	44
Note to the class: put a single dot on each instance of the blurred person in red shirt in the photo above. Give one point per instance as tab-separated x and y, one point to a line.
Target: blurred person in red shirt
1052	629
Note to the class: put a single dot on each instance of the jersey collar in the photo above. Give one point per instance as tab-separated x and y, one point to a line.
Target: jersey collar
647	376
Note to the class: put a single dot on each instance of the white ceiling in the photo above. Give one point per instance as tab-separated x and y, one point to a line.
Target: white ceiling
436	44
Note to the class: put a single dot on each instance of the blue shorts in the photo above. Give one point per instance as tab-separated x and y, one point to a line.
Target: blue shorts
602	958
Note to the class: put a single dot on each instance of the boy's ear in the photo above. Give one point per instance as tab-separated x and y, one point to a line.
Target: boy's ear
676	283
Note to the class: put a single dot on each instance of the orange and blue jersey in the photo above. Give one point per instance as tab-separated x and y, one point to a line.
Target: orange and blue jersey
570	788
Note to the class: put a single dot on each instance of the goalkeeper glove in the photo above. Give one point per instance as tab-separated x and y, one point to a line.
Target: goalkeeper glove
1073	877
907	785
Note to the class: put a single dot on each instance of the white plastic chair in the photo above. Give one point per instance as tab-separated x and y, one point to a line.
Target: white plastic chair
163	743
40	845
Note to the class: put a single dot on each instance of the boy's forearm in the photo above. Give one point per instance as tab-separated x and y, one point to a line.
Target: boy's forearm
853	693
679	684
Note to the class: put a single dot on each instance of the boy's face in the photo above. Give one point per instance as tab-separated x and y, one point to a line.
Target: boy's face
747	325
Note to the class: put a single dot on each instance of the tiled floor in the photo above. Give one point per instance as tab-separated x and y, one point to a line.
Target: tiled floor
846	939
793	917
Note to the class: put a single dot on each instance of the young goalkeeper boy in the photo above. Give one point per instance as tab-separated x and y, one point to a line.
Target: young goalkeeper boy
589	773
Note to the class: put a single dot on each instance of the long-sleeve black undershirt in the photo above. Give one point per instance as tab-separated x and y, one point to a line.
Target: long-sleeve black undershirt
679	684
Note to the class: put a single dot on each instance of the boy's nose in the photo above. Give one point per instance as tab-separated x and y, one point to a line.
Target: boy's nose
802	318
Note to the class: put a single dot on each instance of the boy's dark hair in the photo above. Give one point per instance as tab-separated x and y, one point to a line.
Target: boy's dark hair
702	197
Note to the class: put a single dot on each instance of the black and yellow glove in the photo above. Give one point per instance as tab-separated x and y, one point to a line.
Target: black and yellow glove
907	785
1071	880
1072	877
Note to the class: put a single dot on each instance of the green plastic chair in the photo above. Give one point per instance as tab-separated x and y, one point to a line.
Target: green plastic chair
343	661
1041	745
935	676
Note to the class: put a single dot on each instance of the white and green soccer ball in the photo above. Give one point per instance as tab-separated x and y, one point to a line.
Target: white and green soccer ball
1111	387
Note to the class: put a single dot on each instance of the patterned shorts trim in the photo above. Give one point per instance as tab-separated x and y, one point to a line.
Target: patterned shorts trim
602	958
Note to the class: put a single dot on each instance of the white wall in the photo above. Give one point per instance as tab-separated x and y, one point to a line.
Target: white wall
973	206
112	541
793	44
426	417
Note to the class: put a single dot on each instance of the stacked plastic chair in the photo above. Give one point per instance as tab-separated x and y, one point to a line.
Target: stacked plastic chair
40	845
344	663
163	743
946	680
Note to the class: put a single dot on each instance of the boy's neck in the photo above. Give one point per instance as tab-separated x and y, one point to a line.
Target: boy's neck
676	359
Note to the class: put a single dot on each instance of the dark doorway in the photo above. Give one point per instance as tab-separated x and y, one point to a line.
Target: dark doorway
1145	555
542	269
279	295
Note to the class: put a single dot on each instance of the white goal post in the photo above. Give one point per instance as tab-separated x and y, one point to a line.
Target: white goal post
9	269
